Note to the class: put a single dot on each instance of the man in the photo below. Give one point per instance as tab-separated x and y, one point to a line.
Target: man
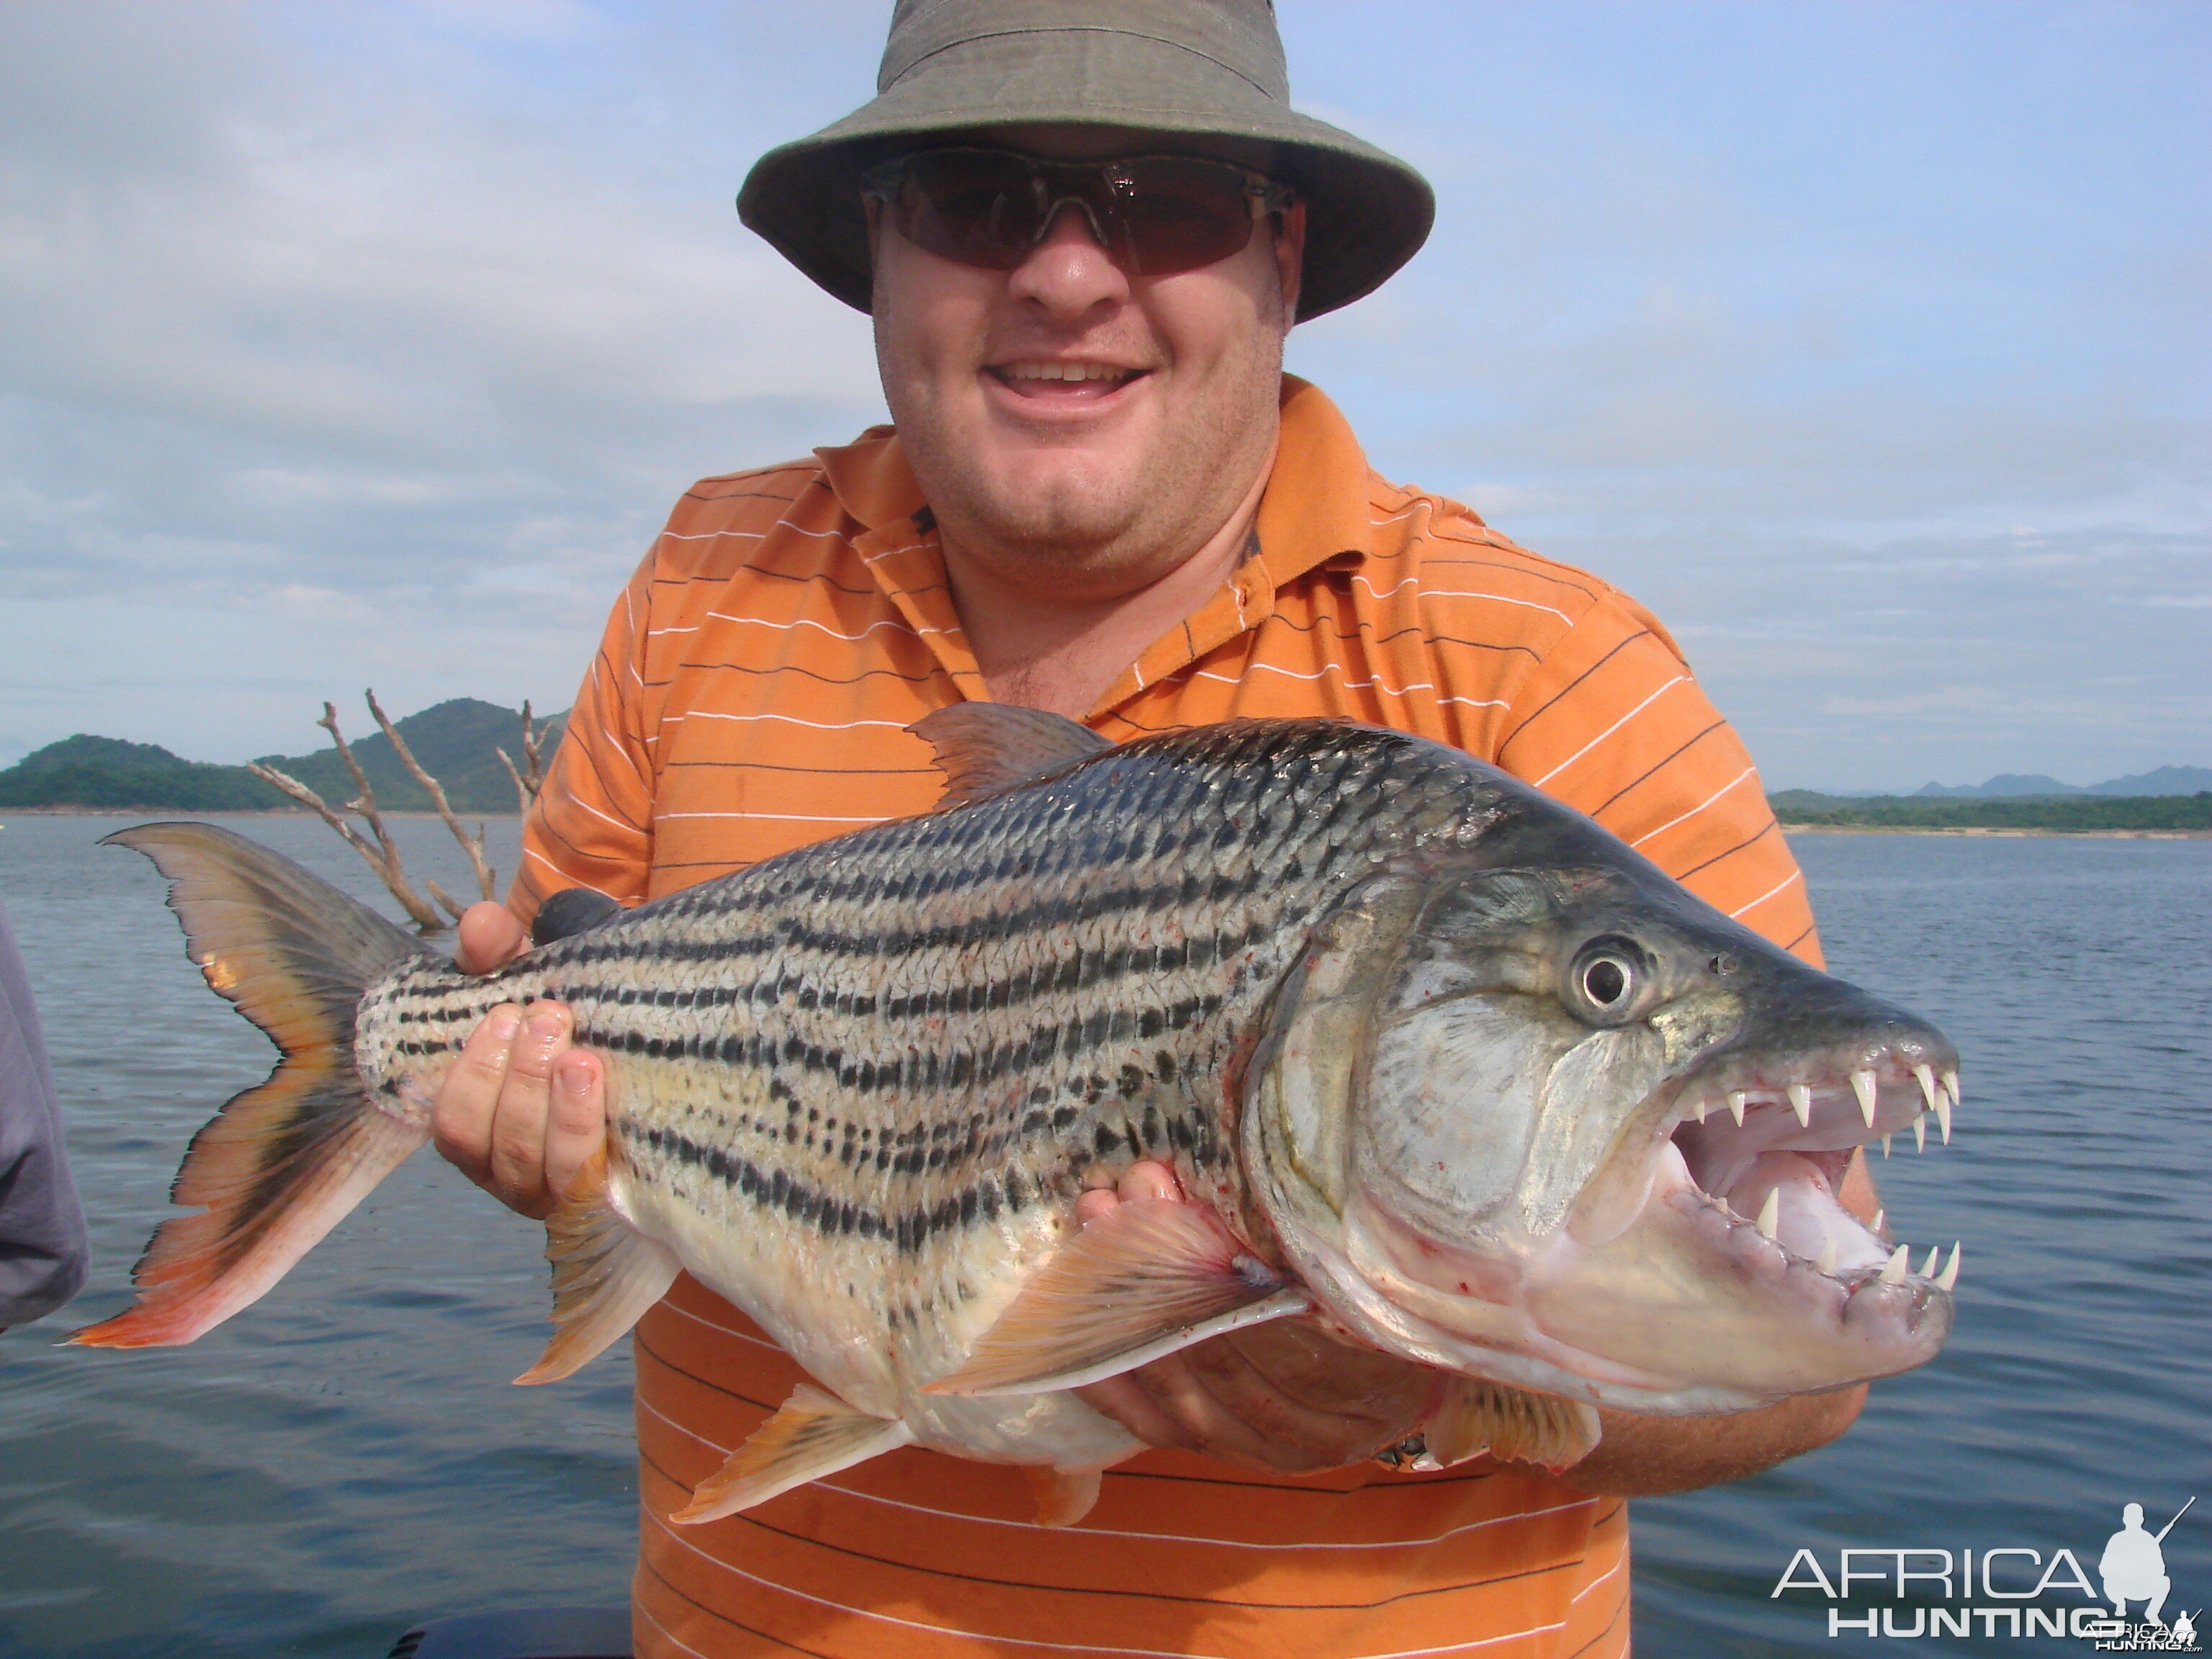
1083	230
42	1244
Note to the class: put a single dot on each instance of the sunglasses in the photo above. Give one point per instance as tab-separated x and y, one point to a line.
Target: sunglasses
1156	216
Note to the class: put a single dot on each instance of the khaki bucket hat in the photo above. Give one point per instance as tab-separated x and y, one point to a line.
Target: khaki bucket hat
1207	74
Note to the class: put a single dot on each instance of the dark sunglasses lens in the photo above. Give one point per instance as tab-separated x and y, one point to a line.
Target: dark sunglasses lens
1160	214
1174	214
974	208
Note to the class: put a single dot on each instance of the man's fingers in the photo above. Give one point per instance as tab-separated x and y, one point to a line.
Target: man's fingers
576	1123
1135	1410
518	1129
1148	1178
460	1120
490	936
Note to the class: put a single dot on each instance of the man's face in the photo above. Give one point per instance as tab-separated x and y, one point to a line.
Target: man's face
1073	425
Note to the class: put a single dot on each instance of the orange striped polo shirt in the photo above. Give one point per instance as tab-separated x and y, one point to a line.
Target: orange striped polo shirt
753	695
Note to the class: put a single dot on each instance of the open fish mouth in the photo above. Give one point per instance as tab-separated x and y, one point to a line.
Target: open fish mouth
1765	1145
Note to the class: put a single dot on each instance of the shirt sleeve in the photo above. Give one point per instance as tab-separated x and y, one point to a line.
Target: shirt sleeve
1613	722
42	1242
592	826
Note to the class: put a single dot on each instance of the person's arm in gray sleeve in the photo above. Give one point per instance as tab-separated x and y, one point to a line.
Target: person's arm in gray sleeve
42	1245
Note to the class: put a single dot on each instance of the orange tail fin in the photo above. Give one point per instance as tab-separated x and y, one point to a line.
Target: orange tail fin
282	1164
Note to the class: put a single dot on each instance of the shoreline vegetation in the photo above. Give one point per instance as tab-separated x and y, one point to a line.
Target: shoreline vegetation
1804	810
460	742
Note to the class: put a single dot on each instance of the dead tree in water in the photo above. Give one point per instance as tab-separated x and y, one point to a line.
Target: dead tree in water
532	777
382	854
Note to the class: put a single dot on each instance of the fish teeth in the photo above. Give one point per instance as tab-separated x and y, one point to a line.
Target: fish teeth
1920	1133
1900	1264
1943	1116
1885	1145
1769	1214
1801	1101
1735	1106
1701	1107
1948	1278
1826	1262
1874	1226
1935	1254
1863	1085
1950	1086
1926	1074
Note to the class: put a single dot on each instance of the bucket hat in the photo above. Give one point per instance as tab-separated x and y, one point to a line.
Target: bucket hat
1208	74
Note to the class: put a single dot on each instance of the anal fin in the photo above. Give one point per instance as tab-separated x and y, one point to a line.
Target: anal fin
1064	1497
1146	1279
1473	1415
606	1275
814	1435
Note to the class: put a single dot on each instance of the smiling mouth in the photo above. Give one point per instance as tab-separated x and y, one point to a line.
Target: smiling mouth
1044	377
1767	1144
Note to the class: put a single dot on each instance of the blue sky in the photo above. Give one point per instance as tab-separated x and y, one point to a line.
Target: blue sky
349	345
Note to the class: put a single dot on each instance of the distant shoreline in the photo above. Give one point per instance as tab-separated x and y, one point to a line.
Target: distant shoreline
299	813
1931	830
1787	828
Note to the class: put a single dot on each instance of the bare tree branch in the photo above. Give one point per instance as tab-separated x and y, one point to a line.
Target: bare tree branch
523	793
383	858
535	777
472	845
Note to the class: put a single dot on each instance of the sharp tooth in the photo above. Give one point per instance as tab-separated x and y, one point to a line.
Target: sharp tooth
1874	1226
1863	1086
1801	1101
1701	1107
1885	1145
1900	1265
1935	1254
1920	1132
1950	1086
1735	1107
1943	1116
1927	1076
1769	1214
1826	1263
1948	1278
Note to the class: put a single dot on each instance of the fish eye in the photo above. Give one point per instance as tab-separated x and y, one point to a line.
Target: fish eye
1607	979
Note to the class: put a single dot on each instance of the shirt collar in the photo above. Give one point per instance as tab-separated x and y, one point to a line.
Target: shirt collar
1314	509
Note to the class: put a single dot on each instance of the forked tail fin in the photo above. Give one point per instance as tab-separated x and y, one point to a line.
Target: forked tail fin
282	1164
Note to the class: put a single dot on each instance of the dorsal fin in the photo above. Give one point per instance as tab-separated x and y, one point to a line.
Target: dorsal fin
985	748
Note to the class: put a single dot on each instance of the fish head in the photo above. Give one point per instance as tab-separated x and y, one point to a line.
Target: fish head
1494	1123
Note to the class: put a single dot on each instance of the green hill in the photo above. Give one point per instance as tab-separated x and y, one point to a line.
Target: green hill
454	740
107	772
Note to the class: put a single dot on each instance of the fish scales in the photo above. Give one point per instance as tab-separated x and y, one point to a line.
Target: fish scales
891	1061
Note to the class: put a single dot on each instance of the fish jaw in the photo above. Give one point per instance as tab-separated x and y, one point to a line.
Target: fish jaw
1467	1178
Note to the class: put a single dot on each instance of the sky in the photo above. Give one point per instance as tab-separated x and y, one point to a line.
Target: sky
353	344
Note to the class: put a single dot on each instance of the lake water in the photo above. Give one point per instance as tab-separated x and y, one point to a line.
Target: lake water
313	1476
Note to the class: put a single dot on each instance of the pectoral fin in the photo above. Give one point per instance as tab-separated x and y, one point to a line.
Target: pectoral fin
814	1435
1144	1280
606	1275
1473	1416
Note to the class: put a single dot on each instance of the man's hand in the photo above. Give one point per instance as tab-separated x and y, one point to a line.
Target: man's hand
520	1113
1279	1396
